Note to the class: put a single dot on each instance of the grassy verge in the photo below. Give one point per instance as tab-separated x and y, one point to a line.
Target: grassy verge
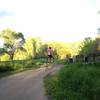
7	73
74	82
9	67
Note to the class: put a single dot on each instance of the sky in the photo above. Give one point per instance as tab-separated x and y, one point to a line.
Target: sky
52	20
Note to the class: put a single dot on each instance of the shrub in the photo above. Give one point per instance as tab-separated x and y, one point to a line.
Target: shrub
5	66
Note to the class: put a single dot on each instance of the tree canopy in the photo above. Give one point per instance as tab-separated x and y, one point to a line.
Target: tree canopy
12	41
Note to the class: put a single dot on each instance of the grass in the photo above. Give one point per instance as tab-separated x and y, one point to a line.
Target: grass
9	73
9	67
74	82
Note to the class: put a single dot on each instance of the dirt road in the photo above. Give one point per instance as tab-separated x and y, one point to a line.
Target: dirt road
26	85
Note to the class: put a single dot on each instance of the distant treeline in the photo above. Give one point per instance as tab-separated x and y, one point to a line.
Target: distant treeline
16	47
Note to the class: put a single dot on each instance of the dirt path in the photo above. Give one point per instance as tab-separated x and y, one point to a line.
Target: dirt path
26	85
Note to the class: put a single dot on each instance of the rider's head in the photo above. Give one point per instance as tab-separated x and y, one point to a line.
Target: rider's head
49	47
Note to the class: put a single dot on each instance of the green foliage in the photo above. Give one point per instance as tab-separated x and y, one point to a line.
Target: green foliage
10	41
20	54
18	48
97	44
90	46
75	82
61	50
2	51
4	57
86	46
52	90
37	43
42	52
20	64
32	46
6	66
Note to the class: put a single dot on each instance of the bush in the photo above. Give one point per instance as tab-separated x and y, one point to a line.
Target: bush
20	64
5	66
75	82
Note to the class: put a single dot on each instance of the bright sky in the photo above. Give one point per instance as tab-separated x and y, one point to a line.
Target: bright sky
57	20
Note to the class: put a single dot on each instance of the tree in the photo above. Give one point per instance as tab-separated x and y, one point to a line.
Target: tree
2	51
88	46
42	53
29	47
97	44
12	41
32	46
37	43
91	46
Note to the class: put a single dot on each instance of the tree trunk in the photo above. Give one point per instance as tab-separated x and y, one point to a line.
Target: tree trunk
11	56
